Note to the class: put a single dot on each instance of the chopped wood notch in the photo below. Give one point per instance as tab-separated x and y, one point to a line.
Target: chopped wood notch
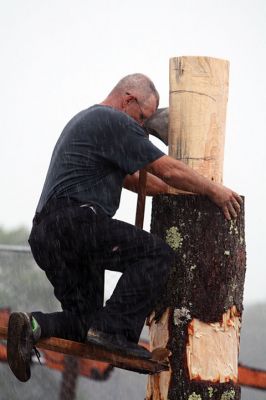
141	365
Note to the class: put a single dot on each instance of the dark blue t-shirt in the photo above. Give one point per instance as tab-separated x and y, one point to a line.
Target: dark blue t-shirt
93	154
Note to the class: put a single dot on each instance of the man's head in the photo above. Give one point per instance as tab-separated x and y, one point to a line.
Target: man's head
136	95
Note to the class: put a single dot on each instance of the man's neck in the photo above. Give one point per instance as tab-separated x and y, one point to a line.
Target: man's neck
112	102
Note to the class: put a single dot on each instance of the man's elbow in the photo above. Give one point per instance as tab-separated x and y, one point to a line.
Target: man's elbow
131	182
163	168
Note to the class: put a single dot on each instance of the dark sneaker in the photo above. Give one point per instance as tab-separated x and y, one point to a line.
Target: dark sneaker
23	334
117	343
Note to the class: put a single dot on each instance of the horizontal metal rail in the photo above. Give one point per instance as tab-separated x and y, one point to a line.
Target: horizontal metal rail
15	248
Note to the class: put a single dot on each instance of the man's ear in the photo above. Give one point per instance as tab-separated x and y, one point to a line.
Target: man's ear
127	99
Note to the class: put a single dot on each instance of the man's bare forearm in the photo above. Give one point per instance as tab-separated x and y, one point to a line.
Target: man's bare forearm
177	174
185	178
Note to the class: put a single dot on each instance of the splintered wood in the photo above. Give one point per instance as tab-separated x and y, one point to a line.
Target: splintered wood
212	349
159	335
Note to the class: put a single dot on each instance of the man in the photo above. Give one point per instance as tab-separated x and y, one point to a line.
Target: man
74	237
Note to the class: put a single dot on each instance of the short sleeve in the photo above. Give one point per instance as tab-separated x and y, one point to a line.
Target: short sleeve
127	145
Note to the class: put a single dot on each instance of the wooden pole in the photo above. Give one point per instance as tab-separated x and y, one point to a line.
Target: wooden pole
201	325
140	211
70	376
197	113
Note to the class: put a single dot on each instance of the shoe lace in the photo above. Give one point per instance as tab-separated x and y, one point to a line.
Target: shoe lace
38	354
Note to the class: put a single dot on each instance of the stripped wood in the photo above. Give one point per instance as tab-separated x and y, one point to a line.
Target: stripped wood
197	113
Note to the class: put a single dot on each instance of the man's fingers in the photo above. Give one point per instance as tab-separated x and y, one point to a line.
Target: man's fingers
238	199
232	211
230	202
236	205
226	213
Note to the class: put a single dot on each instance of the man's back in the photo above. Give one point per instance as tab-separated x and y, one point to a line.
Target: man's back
94	153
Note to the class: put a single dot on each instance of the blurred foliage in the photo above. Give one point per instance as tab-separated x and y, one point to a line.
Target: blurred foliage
17	236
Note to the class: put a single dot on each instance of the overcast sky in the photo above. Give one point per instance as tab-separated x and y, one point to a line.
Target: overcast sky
60	56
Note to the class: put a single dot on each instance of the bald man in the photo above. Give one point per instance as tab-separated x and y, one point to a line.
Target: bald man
74	237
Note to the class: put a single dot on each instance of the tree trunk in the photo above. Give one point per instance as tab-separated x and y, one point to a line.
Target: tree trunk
204	293
201	325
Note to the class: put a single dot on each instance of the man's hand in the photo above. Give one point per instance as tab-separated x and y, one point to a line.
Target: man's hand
230	202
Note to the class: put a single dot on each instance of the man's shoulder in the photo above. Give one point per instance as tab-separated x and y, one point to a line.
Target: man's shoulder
105	110
93	116
110	112
117	120
107	121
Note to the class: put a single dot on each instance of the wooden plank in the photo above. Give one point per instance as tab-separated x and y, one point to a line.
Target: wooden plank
3	332
248	376
144	366
252	377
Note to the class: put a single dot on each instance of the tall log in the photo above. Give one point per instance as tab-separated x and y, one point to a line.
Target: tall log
201	325
197	113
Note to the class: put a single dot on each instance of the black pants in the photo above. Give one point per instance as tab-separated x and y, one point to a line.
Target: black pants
74	245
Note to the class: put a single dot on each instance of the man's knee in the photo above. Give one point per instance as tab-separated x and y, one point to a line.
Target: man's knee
165	250
165	256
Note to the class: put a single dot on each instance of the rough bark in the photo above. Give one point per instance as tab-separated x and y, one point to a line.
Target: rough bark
206	282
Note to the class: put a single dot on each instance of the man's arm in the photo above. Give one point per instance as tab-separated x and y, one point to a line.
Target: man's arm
154	185
177	174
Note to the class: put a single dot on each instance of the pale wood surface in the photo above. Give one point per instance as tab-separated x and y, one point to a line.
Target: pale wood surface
197	112
158	384
212	349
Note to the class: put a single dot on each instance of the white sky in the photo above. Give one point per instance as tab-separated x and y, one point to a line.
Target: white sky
60	56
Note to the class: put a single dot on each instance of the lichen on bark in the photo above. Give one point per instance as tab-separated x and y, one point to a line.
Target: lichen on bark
173	238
